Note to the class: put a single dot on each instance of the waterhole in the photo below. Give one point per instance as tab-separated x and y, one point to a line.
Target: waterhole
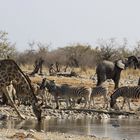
117	129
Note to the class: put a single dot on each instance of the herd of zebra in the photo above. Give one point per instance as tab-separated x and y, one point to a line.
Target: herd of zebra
73	94
48	89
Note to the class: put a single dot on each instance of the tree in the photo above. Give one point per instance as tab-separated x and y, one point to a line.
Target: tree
6	48
113	50
136	50
107	49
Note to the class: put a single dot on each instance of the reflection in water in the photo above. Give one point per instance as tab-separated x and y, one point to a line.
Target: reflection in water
127	128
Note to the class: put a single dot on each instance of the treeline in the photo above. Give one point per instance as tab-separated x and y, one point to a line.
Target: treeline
77	55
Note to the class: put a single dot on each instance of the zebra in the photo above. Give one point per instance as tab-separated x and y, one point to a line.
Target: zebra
127	93
45	96
67	92
98	92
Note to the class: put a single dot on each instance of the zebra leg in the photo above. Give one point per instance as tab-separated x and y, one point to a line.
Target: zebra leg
45	98
67	103
57	104
124	100
108	99
105	102
90	102
48	97
72	102
86	102
128	101
93	102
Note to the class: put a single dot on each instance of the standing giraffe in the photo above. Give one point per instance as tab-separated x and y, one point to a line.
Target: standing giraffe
10	71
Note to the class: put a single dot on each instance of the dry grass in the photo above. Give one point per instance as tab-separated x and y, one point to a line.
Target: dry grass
27	67
66	80
125	73
85	73
128	72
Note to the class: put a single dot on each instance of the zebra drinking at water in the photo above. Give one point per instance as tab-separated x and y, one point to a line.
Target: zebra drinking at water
67	92
127	93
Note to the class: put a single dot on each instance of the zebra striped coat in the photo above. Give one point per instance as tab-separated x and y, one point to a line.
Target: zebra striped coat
127	93
67	92
98	92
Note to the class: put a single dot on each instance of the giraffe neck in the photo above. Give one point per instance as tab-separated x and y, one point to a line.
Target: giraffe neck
10	71
13	72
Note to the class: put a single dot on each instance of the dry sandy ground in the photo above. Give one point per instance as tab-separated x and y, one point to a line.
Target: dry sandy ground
13	134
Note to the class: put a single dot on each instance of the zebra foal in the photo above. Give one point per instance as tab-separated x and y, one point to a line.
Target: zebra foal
127	93
98	92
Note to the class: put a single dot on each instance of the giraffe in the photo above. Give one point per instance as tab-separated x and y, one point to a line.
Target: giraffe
10	71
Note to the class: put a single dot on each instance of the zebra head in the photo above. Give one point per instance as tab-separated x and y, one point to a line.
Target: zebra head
49	84
43	83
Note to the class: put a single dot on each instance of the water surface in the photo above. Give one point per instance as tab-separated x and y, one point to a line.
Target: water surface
117	129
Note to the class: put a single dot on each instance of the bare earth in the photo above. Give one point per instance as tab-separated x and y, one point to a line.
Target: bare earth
8	134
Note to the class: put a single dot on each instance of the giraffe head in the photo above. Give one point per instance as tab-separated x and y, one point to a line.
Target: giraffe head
37	109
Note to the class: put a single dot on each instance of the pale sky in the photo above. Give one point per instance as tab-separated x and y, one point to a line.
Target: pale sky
64	22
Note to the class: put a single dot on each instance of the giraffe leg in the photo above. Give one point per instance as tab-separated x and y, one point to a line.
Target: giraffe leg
7	94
